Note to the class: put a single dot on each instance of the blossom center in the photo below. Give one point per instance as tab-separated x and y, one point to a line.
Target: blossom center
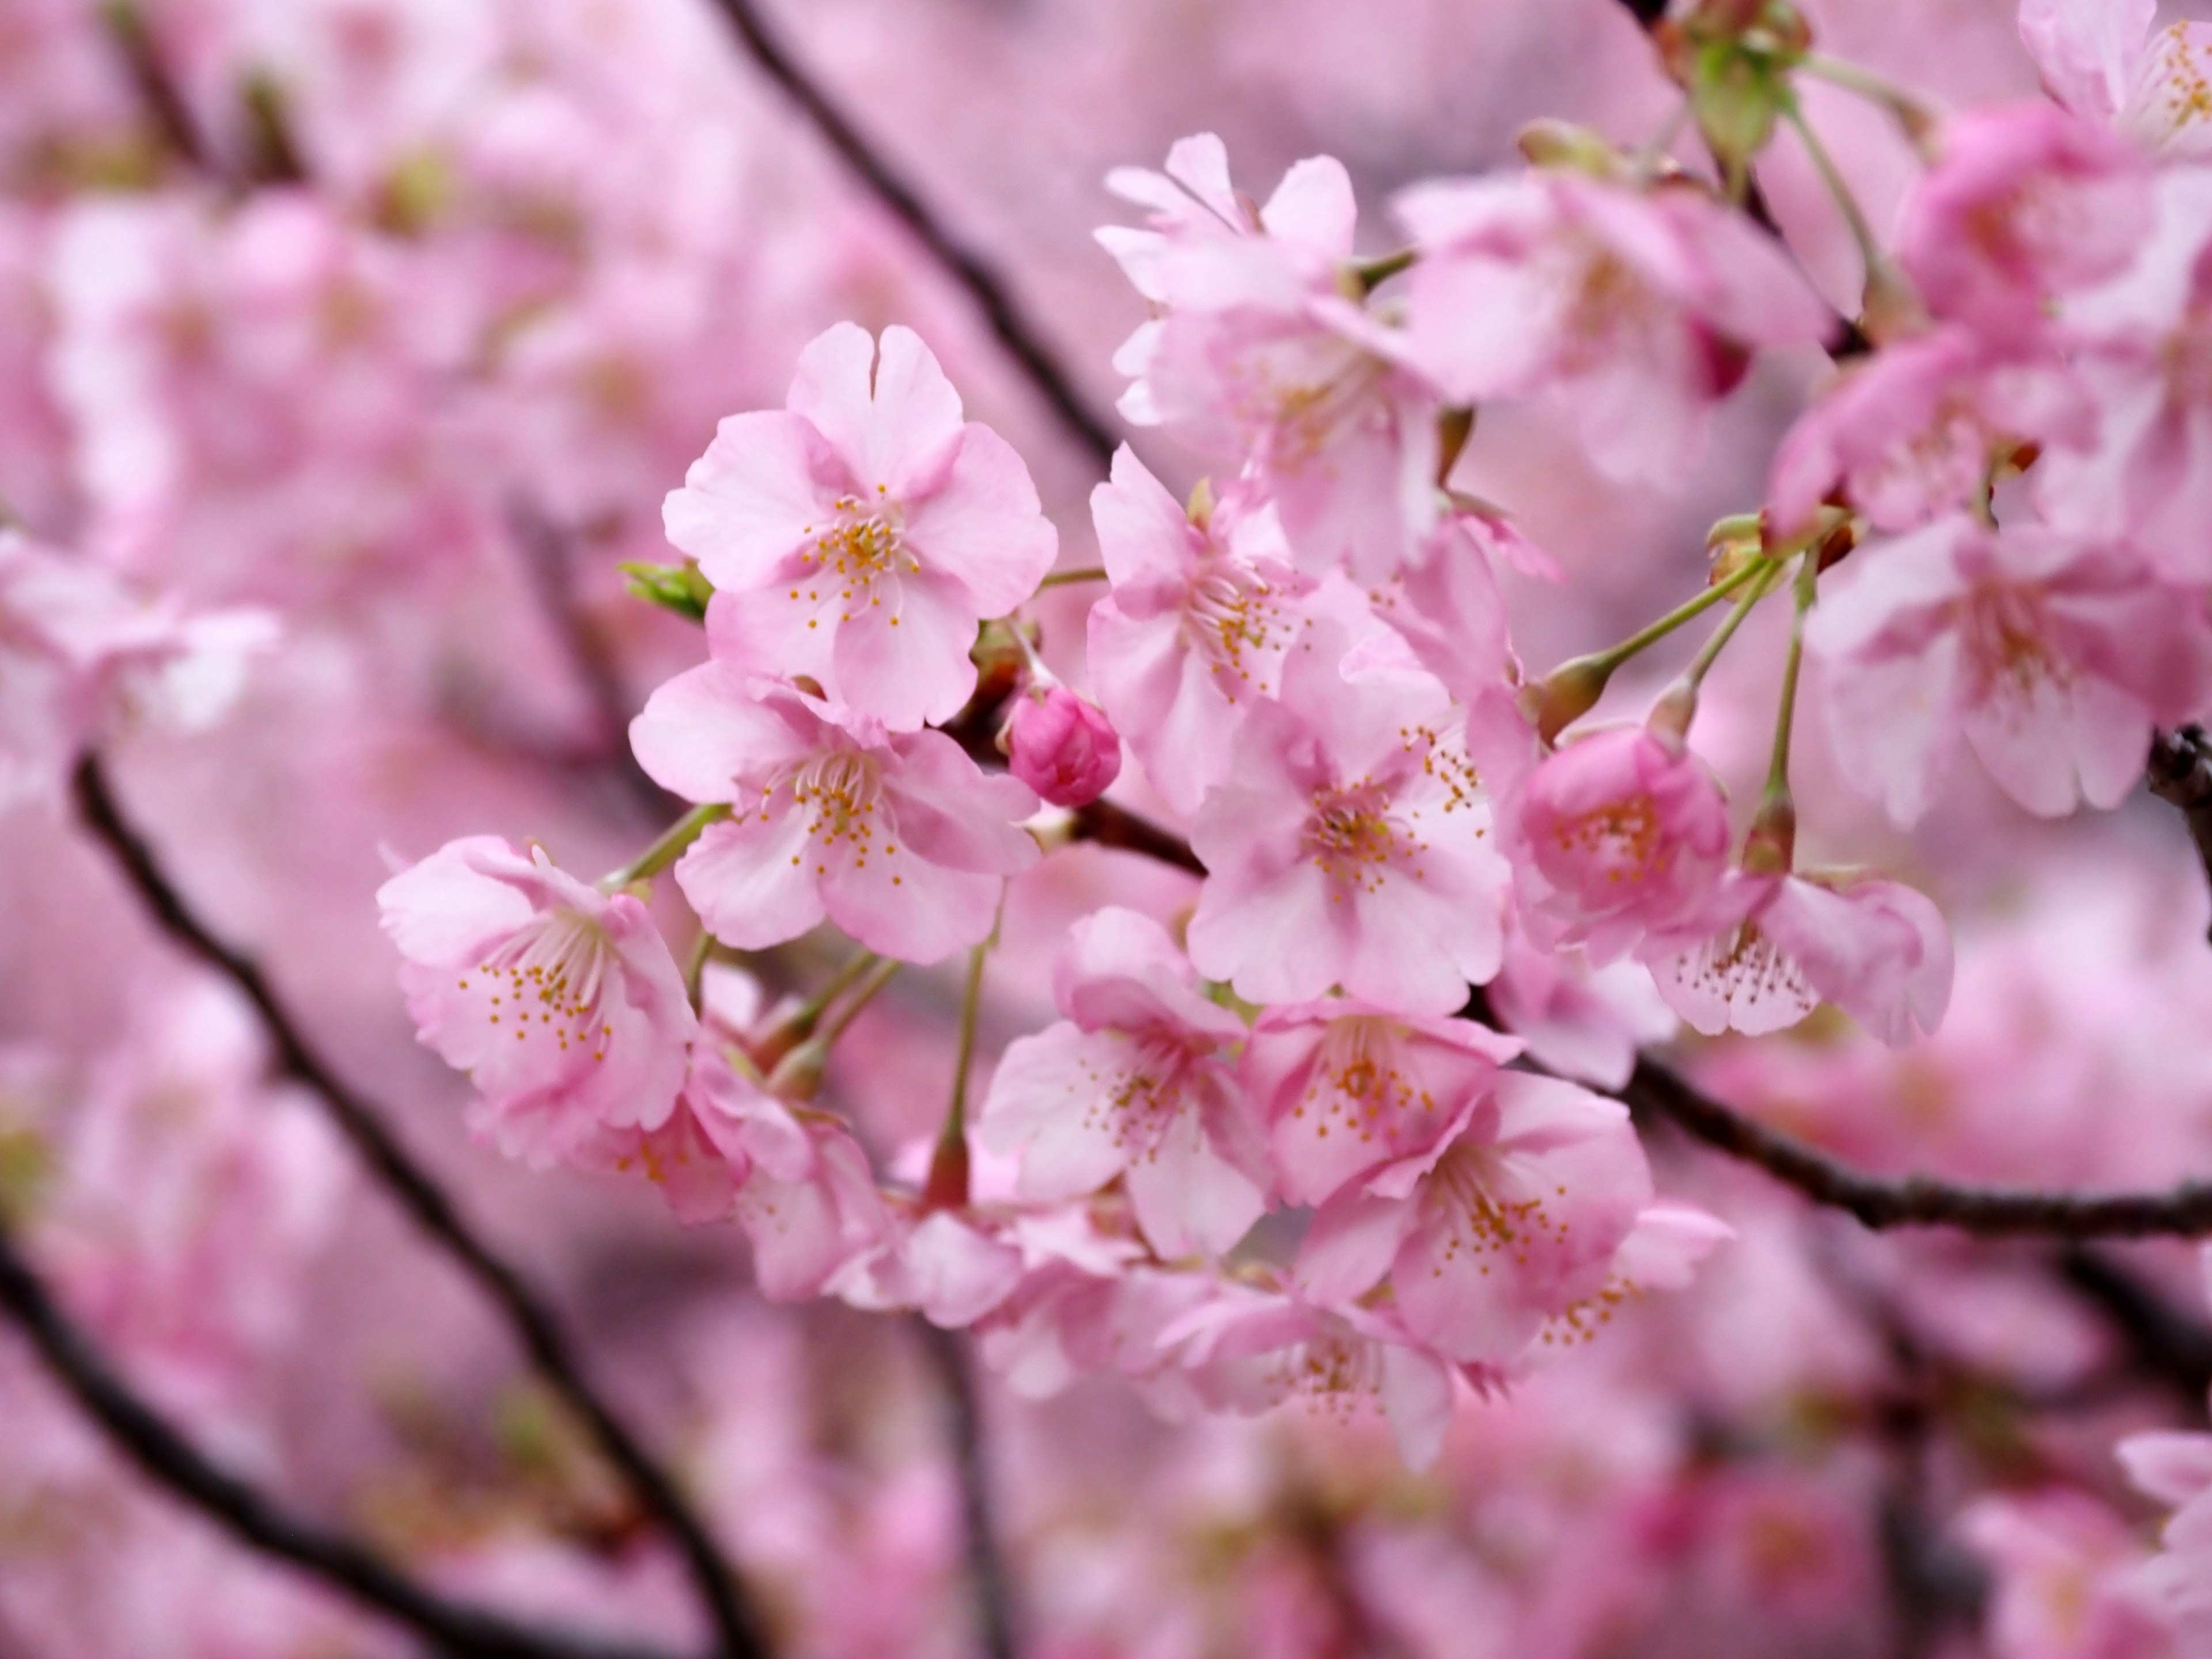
2008	644
1233	613
549	981
861	545
841	791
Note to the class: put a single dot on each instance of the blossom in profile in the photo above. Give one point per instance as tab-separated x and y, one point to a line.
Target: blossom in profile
2049	654
898	838
857	536
1137	1080
561	1002
1639	309
1878	950
1614	833
1509	1219
1193	634
1350	844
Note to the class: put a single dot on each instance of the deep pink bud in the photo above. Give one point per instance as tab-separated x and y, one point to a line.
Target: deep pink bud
1063	746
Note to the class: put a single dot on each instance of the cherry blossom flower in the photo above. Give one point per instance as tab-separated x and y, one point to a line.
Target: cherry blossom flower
560	1001
1136	1082
2024	202
2144	341
1917	430
1350	845
898	838
81	653
1444	602
1878	950
1617	831
1509	1219
951	1267
1063	746
1344	1086
2068	1575
1584	1023
2050	654
859	535
2099	58
1638	308
1259	355
1195	630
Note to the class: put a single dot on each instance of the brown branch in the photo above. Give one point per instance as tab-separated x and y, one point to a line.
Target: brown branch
989	290
2180	772
165	1457
947	1353
1878	1201
433	1210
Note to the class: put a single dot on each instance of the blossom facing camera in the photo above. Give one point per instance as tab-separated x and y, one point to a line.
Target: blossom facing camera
1063	746
561	1002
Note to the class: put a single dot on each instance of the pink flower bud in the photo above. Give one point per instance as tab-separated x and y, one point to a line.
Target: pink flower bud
1063	746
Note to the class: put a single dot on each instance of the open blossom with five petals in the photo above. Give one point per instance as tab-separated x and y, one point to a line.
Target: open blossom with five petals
2144	351
1917	429
1344	1086
1194	632
1350	845
1615	832
2023	203
897	837
2099	58
1137	1081
2050	654
561	1002
1639	307
1877	949
1259	354
859	535
1509	1219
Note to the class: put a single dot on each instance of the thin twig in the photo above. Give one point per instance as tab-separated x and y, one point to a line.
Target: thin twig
947	1353
434	1210
143	1436
2180	772
990	291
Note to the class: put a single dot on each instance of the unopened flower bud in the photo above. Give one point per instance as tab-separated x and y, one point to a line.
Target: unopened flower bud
1062	746
798	1075
1565	695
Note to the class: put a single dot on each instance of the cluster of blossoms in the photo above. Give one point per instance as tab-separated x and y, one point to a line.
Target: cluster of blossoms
1312	666
1357	916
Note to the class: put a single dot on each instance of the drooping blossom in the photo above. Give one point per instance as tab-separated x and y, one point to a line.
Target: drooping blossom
1063	746
1248	1350
2023	203
1917	429
2141	344
1344	1086
1510	1218
2099	58
1259	355
953	1267
1640	309
1444	602
1878	950
2050	654
80	652
1137	1081
1350	845
896	837
1193	634
561	1002
1582	1022
2068	1575
1616	832
857	535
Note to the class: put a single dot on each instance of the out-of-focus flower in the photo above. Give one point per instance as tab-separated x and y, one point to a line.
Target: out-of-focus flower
2099	58
858	536
897	837
560	1001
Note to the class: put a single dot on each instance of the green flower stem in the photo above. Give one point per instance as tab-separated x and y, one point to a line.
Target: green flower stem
1606	661
1069	577
1777	772
947	1187
666	851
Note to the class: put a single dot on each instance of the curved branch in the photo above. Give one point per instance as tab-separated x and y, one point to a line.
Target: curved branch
171	1461
434	1210
947	1353
1014	330
1879	1202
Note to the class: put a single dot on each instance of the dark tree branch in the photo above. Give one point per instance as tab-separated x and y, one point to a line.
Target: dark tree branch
528	1314
165	1457
1878	1201
157	91
2180	774
2166	1342
1013	328
947	1353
